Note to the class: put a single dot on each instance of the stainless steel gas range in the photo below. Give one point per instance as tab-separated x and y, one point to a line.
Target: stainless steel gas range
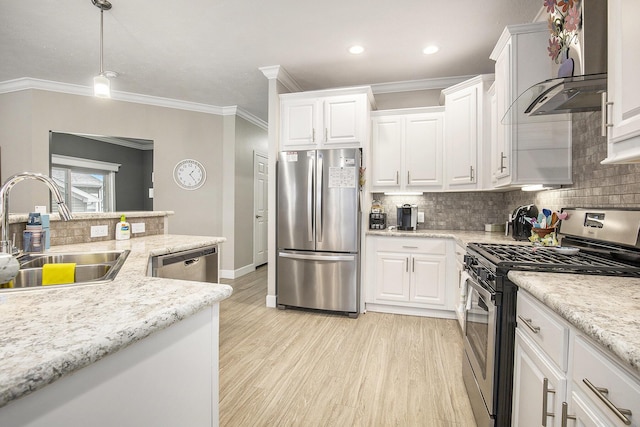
607	243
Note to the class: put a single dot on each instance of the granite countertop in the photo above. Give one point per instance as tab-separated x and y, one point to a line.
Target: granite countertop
605	308
461	237
23	217
48	333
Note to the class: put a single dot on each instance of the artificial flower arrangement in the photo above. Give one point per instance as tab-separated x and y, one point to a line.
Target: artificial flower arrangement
564	23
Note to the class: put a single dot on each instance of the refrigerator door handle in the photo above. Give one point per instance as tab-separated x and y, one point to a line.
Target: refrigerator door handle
320	191
310	201
318	257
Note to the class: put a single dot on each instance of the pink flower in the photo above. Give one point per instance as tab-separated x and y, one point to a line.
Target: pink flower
550	5
566	4
572	19
554	47
550	23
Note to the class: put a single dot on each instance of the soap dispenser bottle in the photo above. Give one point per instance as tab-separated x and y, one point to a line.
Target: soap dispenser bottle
123	229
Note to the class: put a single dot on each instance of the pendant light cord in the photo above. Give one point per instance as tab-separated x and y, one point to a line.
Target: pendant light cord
101	41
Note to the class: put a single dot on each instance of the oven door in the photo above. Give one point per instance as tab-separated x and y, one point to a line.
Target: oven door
480	339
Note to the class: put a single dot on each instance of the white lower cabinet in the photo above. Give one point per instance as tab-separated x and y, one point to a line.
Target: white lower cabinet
537	386
562	378
410	273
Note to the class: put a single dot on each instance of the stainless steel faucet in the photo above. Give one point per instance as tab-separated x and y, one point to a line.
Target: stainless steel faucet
6	245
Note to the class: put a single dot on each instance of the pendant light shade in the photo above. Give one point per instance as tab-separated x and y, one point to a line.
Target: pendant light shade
101	83
101	86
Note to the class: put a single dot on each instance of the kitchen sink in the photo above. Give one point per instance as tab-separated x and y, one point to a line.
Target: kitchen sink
80	258
91	268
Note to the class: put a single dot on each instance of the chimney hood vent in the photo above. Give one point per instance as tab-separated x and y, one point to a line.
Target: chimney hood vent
554	99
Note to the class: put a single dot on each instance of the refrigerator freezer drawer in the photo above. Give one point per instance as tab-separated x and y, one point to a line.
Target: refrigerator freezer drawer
323	281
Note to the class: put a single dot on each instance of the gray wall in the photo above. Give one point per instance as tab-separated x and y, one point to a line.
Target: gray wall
133	179
26	117
594	185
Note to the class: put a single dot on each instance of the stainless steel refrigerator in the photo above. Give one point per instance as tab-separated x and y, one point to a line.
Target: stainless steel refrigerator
318	237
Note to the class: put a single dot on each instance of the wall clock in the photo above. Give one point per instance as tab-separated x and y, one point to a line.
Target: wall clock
189	174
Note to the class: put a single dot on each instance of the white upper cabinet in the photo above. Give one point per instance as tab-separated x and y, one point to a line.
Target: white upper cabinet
526	150
332	118
623	84
467	134
407	149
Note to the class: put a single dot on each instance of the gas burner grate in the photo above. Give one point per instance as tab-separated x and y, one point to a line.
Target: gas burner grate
537	258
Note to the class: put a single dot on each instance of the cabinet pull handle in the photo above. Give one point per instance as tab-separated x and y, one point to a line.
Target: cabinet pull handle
502	159
313	135
471	173
605	114
565	416
409	247
600	392
413	265
326	134
407	266
527	322
397	177
408	177
545	392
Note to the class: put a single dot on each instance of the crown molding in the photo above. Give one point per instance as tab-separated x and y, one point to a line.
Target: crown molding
279	73
413	85
124	142
27	83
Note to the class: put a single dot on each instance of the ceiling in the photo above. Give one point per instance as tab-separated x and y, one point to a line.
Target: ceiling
210	51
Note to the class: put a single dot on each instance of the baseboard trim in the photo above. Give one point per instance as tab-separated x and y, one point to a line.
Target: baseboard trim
234	274
411	311
271	301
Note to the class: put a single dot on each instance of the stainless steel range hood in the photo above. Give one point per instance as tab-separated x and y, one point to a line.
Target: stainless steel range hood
583	92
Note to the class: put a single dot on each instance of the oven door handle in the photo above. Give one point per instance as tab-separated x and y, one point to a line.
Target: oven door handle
487	295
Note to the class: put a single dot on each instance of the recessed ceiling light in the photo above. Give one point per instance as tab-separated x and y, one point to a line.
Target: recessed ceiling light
429	50
356	49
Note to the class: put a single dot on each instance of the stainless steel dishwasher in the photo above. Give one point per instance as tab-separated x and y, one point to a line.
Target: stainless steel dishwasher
199	265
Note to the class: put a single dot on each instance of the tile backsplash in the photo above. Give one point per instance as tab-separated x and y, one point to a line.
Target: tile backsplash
594	185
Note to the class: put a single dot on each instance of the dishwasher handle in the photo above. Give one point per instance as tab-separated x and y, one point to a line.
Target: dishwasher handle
187	257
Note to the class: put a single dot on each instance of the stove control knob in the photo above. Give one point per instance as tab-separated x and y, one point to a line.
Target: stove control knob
470	261
486	275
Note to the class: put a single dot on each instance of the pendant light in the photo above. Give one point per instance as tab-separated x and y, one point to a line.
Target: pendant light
101	83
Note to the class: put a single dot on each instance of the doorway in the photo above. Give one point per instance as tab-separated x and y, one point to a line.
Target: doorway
260	212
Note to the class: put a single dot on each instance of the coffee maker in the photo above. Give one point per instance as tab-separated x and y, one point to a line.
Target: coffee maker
407	216
520	228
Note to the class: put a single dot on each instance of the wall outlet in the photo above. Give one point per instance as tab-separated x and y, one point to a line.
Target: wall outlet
137	227
99	230
421	217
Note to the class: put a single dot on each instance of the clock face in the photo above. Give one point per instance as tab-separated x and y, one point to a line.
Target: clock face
189	174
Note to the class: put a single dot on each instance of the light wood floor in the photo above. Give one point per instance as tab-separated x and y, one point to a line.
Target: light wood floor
300	368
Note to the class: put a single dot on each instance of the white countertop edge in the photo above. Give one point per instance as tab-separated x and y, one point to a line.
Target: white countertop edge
54	216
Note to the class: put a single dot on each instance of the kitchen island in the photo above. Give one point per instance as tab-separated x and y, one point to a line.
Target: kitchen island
135	351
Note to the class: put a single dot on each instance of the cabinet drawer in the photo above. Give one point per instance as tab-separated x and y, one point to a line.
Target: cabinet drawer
413	245
590	364
545	328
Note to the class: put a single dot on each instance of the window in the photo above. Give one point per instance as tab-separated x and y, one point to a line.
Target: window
86	185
